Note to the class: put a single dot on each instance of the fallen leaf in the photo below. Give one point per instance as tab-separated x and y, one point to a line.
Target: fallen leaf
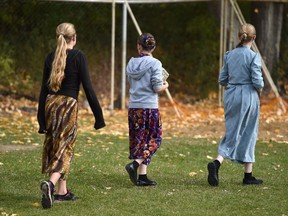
192	173
209	157
279	136
36	204
89	141
2	135
17	142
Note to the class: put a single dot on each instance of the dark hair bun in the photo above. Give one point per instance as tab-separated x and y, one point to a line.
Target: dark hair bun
147	41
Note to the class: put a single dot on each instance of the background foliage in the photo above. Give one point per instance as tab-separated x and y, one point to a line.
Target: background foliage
187	37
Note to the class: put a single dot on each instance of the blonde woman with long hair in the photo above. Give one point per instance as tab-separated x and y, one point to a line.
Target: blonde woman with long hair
64	71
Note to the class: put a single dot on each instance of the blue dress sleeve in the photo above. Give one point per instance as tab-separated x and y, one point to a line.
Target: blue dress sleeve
256	73
224	76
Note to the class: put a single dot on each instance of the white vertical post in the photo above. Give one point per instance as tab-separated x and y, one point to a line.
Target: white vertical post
124	48
112	56
220	95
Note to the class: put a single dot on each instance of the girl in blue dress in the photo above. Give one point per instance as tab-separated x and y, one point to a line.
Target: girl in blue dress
242	78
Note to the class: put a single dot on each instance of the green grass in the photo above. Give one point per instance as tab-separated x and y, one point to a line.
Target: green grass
98	177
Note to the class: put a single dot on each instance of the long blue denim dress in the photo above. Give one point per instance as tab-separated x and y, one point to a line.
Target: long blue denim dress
242	77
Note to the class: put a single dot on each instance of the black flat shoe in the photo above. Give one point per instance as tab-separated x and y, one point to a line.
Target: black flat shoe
212	174
146	183
69	196
132	172
252	181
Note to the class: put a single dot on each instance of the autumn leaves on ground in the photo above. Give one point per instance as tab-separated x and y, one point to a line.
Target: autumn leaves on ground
200	120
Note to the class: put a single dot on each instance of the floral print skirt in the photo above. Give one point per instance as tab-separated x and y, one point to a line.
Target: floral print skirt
145	133
61	124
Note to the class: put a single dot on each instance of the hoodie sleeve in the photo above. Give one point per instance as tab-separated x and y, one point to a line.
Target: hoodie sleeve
156	78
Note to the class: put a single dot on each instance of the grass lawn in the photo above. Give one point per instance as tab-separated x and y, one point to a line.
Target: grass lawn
98	177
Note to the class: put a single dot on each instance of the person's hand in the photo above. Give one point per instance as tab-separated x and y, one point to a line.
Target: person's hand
99	124
42	131
259	92
166	84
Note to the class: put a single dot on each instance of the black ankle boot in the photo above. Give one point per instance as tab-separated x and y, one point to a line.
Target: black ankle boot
250	180
213	169
131	168
144	181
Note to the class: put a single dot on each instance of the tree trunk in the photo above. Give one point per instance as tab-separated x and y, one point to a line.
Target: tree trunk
267	18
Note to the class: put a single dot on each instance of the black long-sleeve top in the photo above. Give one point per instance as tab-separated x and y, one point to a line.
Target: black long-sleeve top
75	73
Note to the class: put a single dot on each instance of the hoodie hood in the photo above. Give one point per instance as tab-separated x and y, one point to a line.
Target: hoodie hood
137	67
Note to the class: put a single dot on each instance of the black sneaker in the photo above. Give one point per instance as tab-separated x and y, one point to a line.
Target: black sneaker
252	181
146	183
132	172
212	174
69	196
47	189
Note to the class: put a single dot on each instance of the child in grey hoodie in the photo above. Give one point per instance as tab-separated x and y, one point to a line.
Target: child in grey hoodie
145	127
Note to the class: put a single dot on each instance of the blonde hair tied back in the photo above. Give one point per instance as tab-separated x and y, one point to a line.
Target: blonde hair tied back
243	36
64	34
247	33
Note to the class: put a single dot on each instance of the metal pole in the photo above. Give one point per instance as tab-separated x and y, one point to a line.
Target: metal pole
225	26
112	56
221	50
231	32
124	48
133	18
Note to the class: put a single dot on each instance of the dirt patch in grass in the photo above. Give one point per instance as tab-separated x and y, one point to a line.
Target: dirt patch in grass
5	148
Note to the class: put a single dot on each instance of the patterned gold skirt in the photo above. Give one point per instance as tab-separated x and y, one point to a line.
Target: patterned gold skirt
61	124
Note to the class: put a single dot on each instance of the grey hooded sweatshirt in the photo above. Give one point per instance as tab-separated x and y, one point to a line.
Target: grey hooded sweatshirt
145	77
